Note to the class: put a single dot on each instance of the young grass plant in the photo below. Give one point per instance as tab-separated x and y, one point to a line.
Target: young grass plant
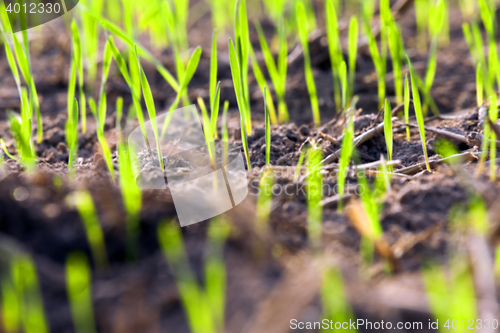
85	206
345	157
336	306
27	289
238	90
78	59
150	105
264	199
10	306
303	29
278	71
407	106
451	296
388	128
395	47
195	300
78	279
215	272
418	112
334	48
261	81
268	129
131	193
493	117
242	41
353	51
314	193
21	128
379	61
214	86
72	133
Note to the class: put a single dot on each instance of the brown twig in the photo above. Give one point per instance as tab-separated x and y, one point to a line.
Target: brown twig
413	169
356	142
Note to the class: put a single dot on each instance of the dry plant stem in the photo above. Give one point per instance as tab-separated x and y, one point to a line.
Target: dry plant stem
329	138
357	141
450	135
413	169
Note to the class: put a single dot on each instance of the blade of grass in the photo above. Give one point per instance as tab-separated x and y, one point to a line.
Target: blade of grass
407	106
85	206
79	285
345	157
303	29
388	128
353	50
314	192
268	130
418	112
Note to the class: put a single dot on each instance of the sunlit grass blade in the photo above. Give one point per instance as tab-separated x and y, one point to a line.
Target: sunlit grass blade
194	300
235	72
336	306
72	134
343	84
407	105
353	50
268	130
207	129
85	206
418	112
334	48
150	105
345	157
78	58
10	306
78	277
388	128
215	111
25	278
264	200
215	271
225	133
303	29
479	85
131	193
213	70
314	195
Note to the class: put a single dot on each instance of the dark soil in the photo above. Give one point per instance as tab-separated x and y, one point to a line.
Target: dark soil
141	296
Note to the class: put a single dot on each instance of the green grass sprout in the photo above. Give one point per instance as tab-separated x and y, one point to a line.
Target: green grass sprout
235	72
225	133
261	81
207	129
343	84
303	29
10	307
388	128
418	112
407	106
24	276
334	48
479	85
191	67
215	271
299	164
242	43
379	61
314	195
196	303
345	157
131	193
353	51
451	294
336	306
264	200
277	72
493	115
268	129
72	134
85	206
397	65
78	279
78	59
214	86
150	105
